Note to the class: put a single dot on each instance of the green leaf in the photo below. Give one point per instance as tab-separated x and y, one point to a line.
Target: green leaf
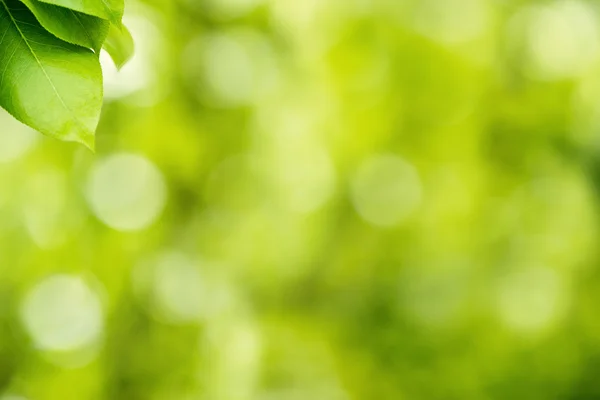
119	45
51	85
69	25
111	10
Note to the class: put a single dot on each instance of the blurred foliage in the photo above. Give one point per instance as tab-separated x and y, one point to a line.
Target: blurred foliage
332	200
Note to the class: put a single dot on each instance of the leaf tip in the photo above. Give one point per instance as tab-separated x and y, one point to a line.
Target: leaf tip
89	141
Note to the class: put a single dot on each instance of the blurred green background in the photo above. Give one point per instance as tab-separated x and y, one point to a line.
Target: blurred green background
316	200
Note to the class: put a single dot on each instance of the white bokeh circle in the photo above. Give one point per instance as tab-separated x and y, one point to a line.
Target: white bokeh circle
386	190
126	191
62	313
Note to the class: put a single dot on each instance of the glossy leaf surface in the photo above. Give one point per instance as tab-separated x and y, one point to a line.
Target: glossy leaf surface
51	85
69	25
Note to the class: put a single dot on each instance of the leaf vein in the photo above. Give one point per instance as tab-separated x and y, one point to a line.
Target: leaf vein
38	61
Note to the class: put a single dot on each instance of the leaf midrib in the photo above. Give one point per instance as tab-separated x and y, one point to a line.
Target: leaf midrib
84	28
109	8
14	21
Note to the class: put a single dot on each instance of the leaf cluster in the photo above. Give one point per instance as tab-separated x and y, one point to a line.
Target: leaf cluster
50	73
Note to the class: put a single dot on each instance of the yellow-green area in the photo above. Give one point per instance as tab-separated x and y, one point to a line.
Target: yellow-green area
316	200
